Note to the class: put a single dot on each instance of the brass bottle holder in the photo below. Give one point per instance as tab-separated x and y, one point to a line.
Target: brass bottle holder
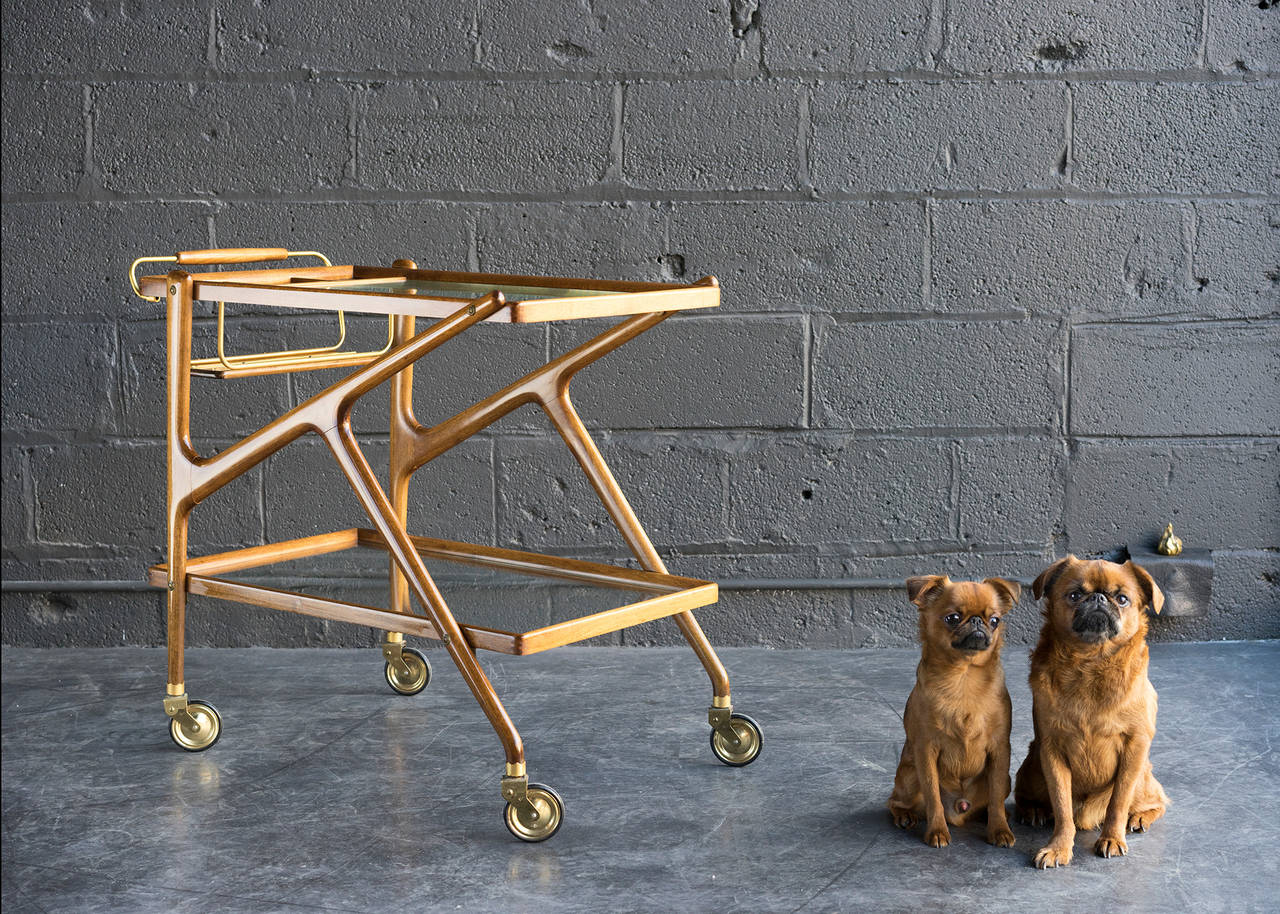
258	363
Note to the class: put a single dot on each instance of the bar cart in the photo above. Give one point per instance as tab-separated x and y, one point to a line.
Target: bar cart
452	302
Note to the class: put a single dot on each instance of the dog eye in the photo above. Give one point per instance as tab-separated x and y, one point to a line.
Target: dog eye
1075	595
951	618
1122	599
995	620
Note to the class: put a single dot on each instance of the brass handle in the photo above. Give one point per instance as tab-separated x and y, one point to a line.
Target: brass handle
231	255
223	255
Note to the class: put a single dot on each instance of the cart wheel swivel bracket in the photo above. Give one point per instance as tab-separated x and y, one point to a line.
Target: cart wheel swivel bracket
176	707
515	785
534	812
515	791
392	652
721	720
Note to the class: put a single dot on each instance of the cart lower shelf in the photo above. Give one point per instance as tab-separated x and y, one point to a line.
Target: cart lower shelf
669	594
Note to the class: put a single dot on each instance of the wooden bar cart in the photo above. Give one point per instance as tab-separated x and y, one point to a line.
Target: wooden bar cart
453	302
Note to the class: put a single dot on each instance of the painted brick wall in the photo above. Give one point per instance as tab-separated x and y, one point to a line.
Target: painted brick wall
1001	280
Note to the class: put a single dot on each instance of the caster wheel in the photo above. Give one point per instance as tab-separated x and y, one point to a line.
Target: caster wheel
201	731
417	677
540	823
749	742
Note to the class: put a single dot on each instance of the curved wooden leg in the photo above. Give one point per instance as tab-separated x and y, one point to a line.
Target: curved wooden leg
565	418
365	485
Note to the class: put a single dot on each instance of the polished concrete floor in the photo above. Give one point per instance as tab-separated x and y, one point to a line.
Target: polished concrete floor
328	792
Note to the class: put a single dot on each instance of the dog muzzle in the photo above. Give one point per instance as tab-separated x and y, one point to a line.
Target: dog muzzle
1094	619
976	639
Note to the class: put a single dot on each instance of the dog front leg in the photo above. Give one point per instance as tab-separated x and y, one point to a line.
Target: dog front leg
905	799
1133	762
1057	776
998	832
936	833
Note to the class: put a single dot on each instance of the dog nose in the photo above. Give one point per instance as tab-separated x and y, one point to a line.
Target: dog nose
977	622
1096	601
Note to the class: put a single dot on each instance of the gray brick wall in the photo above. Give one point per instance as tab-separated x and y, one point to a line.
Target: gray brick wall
1000	280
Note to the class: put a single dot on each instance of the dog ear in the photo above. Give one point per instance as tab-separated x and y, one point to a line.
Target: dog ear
1155	598
1011	589
920	586
1042	584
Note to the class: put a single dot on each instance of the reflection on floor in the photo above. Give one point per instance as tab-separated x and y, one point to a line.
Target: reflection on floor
329	792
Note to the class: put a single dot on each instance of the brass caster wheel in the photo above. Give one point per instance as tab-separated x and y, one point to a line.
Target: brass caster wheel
750	742
197	729
539	822
414	677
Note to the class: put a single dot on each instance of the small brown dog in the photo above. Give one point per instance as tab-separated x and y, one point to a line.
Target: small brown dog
955	762
1093	707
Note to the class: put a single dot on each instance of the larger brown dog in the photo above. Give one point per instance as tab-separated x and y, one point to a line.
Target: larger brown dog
1093	707
955	761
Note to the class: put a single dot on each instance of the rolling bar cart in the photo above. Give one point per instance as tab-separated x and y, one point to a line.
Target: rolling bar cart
452	302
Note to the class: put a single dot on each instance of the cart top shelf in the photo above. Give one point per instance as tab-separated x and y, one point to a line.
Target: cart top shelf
439	293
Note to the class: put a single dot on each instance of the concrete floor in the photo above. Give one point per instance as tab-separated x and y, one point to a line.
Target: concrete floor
328	792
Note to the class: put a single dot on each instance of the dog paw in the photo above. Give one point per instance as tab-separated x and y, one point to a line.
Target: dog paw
1110	846
1001	837
1052	856
903	818
1037	816
937	837
1138	821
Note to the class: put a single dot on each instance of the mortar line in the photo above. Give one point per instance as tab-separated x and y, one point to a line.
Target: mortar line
955	489
726	435
207	74
1067	356
86	114
473	34
762	63
617	142
1069	152
262	499
473	240
118	411
936	34
211	46
70	552
1191	241
617	194
1227	323
27	478
493	488
1086	320
701	435
926	257
806	393
726	494
804	140
1202	42
825	549
355	115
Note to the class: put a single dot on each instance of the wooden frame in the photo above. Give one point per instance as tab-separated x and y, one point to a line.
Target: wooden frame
327	289
670	594
192	478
